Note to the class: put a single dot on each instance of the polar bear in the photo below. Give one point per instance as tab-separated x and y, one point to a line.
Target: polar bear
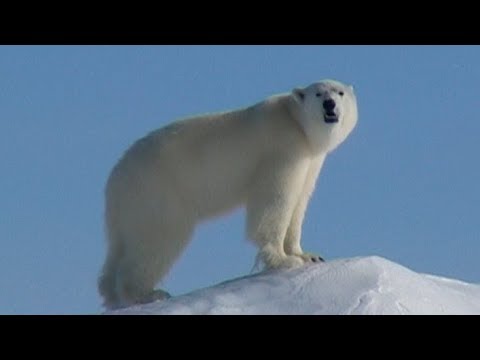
265	157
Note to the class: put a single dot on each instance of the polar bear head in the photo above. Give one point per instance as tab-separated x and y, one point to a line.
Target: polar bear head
327	113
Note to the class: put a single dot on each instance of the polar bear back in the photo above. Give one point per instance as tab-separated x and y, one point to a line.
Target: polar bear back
199	146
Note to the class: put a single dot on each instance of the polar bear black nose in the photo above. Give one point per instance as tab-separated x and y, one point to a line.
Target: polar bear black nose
329	105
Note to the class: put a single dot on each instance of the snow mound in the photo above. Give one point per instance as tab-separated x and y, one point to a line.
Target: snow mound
362	285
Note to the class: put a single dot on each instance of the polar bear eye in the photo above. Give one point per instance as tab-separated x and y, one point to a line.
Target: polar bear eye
318	94
340	93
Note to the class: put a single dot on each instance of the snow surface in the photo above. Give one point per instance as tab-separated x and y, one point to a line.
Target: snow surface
362	285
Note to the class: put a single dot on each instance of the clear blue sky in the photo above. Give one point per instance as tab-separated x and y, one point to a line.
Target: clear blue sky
404	186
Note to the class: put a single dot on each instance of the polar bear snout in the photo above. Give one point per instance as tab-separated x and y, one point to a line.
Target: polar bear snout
330	115
329	105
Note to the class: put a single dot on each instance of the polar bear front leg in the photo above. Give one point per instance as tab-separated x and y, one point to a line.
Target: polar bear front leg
267	226
292	247
271	203
294	232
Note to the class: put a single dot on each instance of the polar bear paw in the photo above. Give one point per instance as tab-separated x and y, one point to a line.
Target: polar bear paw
278	260
155	295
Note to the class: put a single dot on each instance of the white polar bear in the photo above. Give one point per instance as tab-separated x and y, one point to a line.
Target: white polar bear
266	157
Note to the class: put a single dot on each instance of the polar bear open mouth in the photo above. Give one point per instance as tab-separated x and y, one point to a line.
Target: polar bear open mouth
330	118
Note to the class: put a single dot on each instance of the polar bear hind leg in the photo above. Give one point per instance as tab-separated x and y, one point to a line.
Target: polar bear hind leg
149	238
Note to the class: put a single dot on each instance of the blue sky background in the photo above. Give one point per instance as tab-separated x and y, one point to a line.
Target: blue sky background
404	186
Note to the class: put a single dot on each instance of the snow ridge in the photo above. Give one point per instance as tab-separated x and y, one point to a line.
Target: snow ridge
361	285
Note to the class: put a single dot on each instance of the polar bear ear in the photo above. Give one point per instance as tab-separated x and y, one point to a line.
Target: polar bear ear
299	94
352	89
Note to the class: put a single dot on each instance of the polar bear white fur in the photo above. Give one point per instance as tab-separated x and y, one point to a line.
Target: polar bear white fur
266	157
